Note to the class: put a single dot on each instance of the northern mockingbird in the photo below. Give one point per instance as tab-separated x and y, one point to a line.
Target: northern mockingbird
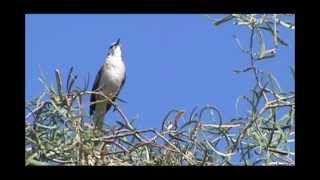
109	80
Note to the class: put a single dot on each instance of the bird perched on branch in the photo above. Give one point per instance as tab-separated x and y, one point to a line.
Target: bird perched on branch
109	81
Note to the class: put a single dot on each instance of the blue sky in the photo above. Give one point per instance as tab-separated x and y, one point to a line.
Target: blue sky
173	61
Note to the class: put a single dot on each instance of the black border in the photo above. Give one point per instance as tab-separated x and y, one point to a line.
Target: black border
156	6
129	6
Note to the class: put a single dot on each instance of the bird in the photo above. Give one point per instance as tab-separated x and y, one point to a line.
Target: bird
110	79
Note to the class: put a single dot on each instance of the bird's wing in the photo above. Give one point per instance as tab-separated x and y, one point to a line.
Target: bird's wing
95	86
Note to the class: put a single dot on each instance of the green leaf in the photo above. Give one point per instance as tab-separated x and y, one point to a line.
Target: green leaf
286	24
59	83
275	32
262	44
68	79
269	29
223	20
274	84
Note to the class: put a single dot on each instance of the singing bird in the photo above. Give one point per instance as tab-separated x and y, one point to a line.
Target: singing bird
109	80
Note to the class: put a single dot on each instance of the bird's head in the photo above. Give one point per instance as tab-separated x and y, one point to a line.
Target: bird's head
115	49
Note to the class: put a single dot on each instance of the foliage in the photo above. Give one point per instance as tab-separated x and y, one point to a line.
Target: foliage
58	130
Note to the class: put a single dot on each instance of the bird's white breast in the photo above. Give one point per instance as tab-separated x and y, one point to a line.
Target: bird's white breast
114	72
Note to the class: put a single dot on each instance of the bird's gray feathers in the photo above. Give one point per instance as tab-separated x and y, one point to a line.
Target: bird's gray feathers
96	86
109	81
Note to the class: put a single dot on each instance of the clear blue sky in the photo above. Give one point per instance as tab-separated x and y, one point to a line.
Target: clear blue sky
173	61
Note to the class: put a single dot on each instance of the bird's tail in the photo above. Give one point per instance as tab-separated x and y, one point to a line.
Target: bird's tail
99	115
98	120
